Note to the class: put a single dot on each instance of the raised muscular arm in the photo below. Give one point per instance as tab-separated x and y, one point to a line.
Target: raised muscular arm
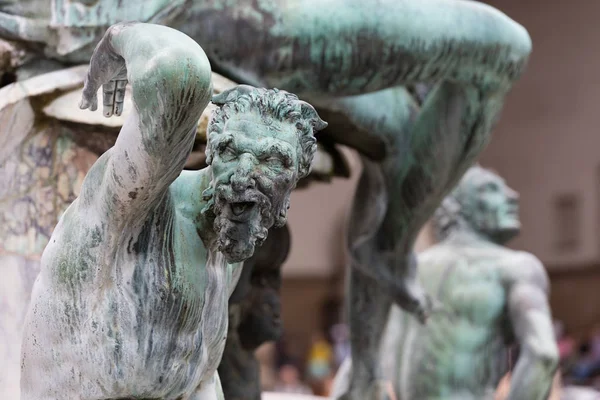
171	85
532	325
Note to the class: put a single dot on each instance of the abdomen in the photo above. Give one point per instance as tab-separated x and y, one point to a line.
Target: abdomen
450	357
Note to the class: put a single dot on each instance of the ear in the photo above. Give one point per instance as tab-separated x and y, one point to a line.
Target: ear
309	112
232	94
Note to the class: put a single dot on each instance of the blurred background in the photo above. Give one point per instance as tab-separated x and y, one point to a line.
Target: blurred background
546	146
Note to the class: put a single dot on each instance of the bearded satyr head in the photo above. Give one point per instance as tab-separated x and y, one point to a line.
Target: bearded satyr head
481	202
260	143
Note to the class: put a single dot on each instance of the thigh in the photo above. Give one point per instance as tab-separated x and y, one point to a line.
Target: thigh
347	47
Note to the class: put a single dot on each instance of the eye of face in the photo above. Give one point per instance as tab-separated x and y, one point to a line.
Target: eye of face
277	158
274	161
228	154
489	187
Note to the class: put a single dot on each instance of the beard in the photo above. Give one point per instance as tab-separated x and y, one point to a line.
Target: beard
239	235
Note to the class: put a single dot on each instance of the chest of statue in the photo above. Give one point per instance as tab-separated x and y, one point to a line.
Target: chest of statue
155	323
475	291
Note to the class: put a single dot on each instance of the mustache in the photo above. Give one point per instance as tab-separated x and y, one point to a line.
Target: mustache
218	197
224	193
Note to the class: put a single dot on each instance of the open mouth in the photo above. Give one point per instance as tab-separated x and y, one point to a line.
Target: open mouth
241	207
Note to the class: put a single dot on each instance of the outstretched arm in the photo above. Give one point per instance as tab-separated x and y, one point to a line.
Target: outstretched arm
171	85
532	325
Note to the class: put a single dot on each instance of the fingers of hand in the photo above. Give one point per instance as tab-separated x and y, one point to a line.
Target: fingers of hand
108	94
119	96
88	101
113	96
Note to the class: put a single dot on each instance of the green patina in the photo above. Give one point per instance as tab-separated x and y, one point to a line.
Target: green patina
479	284
148	254
358	60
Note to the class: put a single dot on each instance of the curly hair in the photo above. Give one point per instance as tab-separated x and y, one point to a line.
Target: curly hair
271	105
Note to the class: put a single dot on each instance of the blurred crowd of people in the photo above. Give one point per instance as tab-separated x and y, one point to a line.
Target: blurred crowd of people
579	357
314	373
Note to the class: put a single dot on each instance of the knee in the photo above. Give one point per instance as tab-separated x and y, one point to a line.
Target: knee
519	41
505	31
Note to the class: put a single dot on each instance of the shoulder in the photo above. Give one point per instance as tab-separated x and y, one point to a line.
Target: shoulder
526	268
187	190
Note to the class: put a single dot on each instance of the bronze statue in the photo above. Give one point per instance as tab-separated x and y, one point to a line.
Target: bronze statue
491	299
359	62
132	297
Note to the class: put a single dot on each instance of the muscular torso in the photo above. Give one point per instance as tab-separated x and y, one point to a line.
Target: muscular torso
461	352
135	310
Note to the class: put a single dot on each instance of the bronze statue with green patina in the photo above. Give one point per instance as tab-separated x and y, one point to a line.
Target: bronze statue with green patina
358	62
492	299
132	297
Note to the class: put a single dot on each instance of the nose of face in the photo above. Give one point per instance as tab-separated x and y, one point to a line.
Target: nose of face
241	182
243	177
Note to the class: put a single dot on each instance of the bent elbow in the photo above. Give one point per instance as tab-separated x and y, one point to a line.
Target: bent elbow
181	76
182	68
